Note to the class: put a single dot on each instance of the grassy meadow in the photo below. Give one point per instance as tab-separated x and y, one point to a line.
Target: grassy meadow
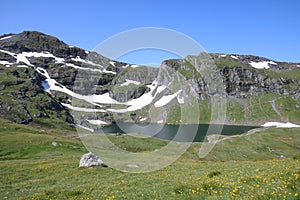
262	165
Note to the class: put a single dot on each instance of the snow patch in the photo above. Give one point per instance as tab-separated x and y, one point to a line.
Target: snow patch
7	64
180	99
51	84
143	119
223	55
83	68
280	125
130	81
78	59
160	89
112	63
298	65
262	64
96	122
40	54
136	104
234	57
4	38
272	63
144	100
22	58
166	99
43	72
107	71
133	105
12	54
104	99
125	66
89	69
139	103
81	109
134	66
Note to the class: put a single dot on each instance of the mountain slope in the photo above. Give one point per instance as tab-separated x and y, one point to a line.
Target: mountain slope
43	80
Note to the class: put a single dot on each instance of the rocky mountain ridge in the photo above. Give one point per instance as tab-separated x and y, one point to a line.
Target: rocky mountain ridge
43	79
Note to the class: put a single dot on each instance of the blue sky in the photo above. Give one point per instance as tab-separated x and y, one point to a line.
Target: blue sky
259	27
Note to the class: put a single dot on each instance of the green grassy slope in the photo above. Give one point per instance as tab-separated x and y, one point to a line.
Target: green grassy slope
32	168
25	142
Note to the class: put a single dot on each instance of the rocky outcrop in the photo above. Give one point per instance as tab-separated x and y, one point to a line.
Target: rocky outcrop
25	98
91	160
240	79
241	82
34	41
124	94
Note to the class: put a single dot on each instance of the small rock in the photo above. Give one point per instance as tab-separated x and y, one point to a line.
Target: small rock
280	156
90	160
54	144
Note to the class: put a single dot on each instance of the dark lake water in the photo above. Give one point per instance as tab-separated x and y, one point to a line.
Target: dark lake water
180	133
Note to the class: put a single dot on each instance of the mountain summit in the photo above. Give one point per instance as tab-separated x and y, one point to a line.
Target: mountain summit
44	80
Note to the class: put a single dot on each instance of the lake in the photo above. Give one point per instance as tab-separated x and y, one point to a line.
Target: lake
179	133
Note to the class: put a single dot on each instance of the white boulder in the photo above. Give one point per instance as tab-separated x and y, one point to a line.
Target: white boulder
90	160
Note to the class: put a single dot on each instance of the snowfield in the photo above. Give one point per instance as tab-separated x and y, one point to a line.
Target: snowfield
89	69
43	72
112	63
262	64
142	101
7	37
22	57
280	125
166	99
234	57
96	122
139	103
133	105
7	64
78	59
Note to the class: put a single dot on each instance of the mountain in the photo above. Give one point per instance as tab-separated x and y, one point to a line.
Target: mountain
47	82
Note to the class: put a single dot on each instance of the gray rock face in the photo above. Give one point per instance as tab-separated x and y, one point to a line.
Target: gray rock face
239	78
90	160
33	41
241	83
23	97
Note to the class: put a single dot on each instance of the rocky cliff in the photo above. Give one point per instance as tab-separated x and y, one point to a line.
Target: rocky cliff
44	80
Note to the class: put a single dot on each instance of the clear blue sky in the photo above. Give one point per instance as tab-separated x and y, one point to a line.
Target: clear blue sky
260	27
